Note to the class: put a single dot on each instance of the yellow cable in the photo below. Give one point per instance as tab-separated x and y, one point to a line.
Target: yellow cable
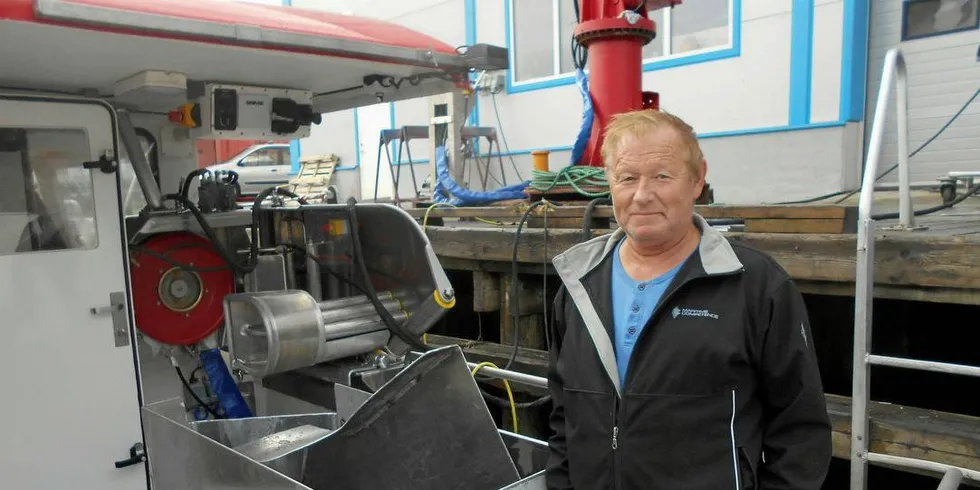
425	218
510	394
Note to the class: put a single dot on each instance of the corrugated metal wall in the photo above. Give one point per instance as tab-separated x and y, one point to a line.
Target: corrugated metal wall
944	73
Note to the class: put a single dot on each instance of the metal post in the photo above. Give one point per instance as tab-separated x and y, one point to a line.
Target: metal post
951	480
905	214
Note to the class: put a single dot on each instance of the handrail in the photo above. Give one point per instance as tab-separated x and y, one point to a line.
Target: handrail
894	71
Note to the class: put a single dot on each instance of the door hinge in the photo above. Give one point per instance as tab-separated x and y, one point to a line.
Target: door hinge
104	163
120	324
136	455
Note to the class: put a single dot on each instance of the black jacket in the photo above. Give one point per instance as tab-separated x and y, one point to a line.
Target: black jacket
722	391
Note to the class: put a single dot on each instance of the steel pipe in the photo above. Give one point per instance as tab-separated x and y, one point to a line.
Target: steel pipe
936	367
921	464
357	326
517	377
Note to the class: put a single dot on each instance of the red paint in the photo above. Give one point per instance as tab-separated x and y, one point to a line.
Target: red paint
272	18
615	61
161	323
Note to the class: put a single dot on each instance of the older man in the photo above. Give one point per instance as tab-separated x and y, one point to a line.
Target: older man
679	360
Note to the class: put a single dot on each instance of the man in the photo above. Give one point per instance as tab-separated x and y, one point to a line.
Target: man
679	360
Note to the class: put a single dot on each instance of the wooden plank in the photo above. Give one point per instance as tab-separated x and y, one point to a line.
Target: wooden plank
486	292
778	212
897	430
806	225
959	296
605	211
902	259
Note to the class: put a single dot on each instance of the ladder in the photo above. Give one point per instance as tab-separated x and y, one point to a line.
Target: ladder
894	71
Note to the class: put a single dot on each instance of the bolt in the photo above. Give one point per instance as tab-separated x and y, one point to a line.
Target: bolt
448	293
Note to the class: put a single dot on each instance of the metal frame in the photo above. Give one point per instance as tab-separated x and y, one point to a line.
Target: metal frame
894	71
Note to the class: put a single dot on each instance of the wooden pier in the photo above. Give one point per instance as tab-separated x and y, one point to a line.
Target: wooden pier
935	266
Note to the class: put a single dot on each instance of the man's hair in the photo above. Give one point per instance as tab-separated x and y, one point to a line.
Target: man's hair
636	124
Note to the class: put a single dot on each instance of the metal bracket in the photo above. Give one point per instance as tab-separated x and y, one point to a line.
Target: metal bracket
104	163
116	308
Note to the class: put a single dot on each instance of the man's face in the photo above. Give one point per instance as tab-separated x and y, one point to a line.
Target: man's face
653	187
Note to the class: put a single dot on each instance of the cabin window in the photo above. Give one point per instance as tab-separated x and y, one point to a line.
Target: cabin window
266	157
542	30
926	18
47	200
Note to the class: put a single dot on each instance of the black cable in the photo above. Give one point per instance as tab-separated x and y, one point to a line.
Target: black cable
505	403
893	167
372	295
330	271
587	218
210	233
973	190
183	380
514	310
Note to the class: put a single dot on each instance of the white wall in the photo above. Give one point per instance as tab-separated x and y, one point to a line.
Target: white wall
723	96
943	73
828	28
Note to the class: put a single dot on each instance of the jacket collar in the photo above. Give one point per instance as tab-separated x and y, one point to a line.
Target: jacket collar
717	256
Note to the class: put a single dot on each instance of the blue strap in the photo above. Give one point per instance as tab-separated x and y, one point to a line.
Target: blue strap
224	386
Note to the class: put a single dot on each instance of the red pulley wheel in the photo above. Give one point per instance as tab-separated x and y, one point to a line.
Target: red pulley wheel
179	283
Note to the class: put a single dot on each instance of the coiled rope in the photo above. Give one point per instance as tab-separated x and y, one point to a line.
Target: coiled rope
576	177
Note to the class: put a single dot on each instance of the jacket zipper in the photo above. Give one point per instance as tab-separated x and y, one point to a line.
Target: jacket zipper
629	366
615	442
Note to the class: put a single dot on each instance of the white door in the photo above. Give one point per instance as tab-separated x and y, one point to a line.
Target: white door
371	120
70	397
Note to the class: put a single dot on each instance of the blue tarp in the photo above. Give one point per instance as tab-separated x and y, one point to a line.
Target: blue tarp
448	191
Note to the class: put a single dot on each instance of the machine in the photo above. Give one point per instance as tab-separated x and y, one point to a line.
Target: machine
152	320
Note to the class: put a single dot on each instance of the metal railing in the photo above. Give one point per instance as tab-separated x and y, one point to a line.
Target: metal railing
894	71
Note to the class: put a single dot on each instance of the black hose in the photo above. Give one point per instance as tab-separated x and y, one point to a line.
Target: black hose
514	310
587	219
183	380
372	294
973	190
185	189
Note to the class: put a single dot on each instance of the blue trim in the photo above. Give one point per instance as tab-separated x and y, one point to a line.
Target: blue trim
294	155
854	60
681	60
718	134
801	62
357	147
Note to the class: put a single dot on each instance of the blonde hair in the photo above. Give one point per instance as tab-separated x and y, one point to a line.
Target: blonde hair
639	123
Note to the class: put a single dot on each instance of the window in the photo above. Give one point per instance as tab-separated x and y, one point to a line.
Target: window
542	34
47	201
925	18
266	157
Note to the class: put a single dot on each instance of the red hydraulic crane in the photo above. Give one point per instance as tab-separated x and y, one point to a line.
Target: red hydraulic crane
614	32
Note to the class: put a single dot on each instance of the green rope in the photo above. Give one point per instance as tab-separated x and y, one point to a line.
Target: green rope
575	176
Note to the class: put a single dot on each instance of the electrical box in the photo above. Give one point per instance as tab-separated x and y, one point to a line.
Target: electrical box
240	112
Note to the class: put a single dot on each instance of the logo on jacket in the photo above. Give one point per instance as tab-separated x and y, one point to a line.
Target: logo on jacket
678	311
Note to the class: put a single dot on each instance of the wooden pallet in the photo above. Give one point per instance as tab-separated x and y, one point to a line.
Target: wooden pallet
315	176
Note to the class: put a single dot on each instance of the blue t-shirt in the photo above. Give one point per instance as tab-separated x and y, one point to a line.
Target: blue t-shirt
633	304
